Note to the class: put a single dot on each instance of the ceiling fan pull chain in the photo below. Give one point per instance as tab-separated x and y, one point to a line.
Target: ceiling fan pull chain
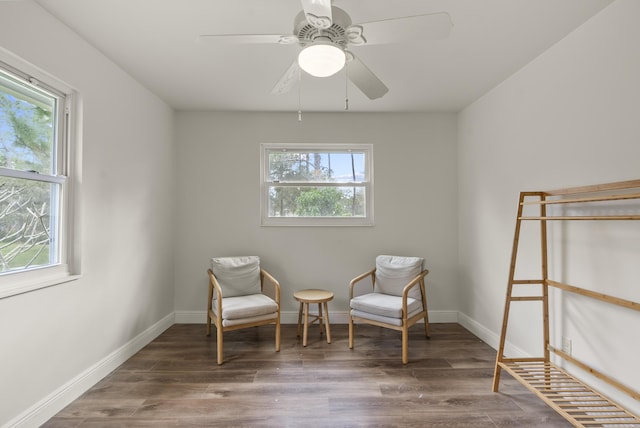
299	95
346	86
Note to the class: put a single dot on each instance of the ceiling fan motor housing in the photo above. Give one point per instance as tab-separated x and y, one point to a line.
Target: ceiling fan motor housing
336	33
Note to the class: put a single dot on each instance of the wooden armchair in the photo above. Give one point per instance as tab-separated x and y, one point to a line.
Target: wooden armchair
236	299
397	299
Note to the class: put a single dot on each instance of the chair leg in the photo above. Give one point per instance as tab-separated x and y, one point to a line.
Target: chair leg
208	324
405	344
219	343
350	332
426	311
278	334
426	325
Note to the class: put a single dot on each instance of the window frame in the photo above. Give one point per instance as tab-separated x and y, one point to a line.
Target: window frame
367	184
65	173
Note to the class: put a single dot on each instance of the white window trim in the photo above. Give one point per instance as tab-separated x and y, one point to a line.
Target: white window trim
265	220
19	282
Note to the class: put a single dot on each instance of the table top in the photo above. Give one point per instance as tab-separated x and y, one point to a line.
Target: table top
313	296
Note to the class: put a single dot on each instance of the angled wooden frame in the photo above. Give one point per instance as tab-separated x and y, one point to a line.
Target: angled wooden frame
216	291
406	322
577	402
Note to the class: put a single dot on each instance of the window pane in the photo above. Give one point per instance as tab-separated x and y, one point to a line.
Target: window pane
27	127
325	201
28	223
316	166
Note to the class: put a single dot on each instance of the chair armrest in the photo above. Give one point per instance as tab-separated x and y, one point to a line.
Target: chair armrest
419	279
213	285
274	282
214	288
359	278
414	281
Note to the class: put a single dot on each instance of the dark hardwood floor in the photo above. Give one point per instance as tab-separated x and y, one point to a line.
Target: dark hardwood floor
175	381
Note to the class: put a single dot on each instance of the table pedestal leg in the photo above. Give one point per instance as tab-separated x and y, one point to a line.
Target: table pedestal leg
299	319
326	312
306	324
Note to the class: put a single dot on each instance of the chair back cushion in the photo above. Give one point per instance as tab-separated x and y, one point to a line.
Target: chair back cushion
237	276
393	273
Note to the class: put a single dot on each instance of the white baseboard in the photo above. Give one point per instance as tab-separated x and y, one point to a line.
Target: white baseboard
291	317
46	408
191	317
440	317
485	334
490	337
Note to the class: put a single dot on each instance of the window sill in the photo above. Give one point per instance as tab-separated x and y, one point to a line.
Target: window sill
316	221
23	282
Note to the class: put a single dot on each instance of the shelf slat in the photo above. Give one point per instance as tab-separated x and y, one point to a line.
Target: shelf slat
591	410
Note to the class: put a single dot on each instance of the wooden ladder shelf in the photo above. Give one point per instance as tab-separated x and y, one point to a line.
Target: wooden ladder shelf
580	404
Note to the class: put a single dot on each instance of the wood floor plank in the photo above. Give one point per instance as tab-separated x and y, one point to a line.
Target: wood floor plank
175	382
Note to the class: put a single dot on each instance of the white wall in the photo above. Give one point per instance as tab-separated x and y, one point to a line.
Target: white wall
218	195
52	339
568	118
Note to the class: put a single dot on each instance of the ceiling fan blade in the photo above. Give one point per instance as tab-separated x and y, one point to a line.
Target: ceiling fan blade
432	26
288	79
318	13
364	79
239	39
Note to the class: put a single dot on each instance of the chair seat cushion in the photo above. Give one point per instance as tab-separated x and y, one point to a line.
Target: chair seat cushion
259	319
379	318
253	305
384	305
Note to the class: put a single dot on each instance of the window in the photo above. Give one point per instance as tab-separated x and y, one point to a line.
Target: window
35	197
317	184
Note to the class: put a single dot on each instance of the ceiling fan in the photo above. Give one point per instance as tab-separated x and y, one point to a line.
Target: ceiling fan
325	33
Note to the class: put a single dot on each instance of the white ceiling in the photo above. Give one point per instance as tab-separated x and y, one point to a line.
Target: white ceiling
156	41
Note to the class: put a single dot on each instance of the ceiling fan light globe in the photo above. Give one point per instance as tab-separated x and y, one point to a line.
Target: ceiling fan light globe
321	59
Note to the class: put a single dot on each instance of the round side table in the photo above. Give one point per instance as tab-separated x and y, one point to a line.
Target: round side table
321	297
